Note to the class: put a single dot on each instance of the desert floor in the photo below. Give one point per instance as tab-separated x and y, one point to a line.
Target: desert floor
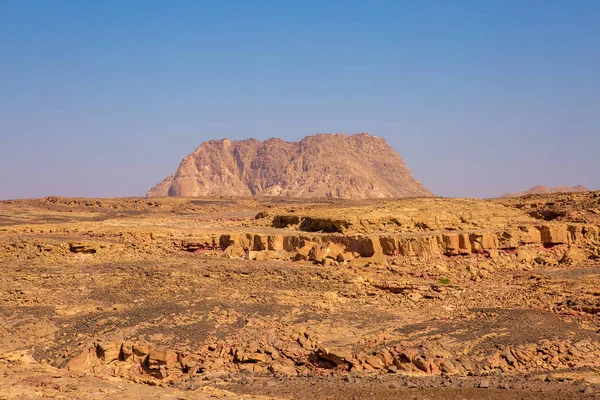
256	298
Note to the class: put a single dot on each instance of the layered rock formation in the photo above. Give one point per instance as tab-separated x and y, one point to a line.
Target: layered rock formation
541	189
358	166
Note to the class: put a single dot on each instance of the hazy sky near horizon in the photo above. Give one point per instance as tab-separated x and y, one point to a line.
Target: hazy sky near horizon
104	98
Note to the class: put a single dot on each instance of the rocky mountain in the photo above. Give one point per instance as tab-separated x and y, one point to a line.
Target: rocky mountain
356	166
541	189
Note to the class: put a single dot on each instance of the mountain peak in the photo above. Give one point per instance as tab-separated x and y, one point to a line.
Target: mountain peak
337	165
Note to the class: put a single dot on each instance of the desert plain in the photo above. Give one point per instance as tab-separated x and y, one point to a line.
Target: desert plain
282	298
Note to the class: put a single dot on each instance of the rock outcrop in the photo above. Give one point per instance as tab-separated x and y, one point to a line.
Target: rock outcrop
541	189
357	166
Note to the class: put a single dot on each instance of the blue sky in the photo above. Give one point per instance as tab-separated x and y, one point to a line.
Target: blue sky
104	98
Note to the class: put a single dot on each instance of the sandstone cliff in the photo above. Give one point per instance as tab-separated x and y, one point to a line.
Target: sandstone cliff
356	166
541	189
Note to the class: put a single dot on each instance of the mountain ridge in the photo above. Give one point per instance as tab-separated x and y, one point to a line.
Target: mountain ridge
541	189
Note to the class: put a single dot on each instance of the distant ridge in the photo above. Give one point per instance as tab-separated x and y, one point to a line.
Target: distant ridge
541	189
356	166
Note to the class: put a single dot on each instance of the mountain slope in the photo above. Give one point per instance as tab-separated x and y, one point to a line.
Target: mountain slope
326	165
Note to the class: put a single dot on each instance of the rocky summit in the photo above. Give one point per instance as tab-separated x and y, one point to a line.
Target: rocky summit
541	189
359	166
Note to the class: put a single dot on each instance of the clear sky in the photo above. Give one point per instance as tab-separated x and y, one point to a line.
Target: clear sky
104	98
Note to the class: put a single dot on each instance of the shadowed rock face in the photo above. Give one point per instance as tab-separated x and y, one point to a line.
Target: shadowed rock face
358	166
541	189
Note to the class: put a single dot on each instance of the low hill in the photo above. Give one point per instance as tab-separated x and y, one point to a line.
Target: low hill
541	189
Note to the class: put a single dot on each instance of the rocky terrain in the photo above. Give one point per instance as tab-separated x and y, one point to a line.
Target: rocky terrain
541	189
286	298
358	166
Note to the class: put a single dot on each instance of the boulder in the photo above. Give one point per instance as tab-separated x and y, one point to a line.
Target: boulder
377	258
526	254
140	352
318	253
234	251
82	248
448	367
338	356
334	249
158	358
573	256
108	352
81	363
263	255
303	252
329	250
345	257
375	362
